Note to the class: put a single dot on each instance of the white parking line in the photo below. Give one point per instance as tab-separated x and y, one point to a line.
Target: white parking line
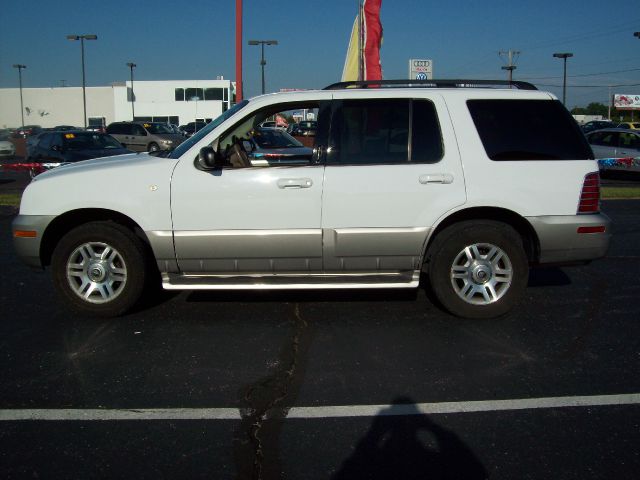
99	414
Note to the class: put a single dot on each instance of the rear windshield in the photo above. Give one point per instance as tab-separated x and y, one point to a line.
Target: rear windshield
528	130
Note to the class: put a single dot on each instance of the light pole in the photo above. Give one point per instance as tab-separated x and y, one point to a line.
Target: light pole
82	38
20	67
262	61
133	112
564	56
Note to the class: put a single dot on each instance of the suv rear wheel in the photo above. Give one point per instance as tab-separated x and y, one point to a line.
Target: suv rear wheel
478	269
99	269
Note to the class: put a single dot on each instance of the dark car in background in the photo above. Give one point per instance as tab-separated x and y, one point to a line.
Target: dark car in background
597	125
56	148
192	127
64	128
304	129
27	131
269	146
145	136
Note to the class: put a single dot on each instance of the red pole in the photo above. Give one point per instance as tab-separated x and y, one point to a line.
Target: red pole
238	50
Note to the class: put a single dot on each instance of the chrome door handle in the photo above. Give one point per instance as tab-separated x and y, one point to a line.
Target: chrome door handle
294	183
436	178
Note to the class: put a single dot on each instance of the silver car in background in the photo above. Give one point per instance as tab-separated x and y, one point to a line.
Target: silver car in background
616	149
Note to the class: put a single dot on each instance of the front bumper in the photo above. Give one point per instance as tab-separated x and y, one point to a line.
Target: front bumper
28	231
561	243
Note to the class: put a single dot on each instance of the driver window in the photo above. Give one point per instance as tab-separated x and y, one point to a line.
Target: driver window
267	137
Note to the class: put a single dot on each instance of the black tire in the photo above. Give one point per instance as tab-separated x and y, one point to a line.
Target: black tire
99	269
153	147
486	280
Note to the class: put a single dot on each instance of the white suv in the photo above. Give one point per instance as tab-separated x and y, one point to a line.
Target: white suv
466	182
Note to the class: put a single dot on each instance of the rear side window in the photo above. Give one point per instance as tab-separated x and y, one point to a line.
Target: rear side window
377	131
528	130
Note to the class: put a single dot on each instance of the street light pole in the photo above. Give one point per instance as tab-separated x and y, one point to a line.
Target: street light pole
133	112
82	38
262	43
564	56
20	67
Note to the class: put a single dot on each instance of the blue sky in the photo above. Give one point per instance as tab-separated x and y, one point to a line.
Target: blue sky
171	40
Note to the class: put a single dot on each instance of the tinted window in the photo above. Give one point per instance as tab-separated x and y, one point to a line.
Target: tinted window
119	129
528	130
179	94
138	130
193	94
214	94
155	128
370	132
629	141
426	144
604	139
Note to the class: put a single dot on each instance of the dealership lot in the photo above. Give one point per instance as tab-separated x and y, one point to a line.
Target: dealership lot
201	384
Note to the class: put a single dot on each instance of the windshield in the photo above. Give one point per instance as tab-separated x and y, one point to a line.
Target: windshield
184	146
272	138
89	141
155	128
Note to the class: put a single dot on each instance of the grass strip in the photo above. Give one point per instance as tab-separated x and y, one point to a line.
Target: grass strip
615	193
10	199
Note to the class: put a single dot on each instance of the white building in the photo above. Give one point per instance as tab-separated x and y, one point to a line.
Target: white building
174	101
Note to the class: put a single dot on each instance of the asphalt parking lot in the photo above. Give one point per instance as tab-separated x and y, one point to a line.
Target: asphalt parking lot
320	385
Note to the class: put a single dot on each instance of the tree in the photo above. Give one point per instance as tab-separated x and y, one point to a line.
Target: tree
596	108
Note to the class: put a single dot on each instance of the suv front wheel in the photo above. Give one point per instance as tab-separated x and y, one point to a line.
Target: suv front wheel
99	269
478	268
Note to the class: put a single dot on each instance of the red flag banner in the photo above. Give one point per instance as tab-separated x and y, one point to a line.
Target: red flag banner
372	40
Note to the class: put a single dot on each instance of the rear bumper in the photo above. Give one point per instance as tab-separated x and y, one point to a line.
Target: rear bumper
28	247
561	243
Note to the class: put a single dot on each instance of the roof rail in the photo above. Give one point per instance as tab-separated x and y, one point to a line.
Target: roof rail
430	84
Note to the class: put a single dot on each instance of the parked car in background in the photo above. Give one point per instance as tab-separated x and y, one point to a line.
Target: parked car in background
7	148
629	125
616	149
145	136
96	128
597	125
27	131
305	129
63	128
270	146
192	127
56	148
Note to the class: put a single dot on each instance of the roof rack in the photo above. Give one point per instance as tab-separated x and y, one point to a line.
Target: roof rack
430	84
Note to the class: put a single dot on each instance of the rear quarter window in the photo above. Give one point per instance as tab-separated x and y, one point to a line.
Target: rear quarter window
528	130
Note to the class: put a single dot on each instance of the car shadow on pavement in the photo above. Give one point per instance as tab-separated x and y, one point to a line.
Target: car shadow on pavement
297	296
548	277
404	443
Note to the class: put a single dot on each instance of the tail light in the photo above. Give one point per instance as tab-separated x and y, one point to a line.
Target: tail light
590	194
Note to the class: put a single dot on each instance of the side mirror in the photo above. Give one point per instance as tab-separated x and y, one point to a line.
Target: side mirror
208	159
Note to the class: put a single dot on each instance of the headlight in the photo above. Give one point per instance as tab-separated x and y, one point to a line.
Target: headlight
167	142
